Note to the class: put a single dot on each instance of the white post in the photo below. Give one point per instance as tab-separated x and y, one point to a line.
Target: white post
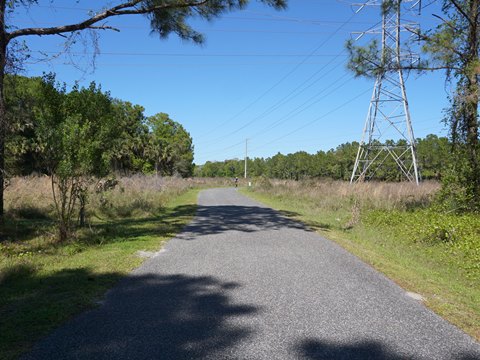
246	156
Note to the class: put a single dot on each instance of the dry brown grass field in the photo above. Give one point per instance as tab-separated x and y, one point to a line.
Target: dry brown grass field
335	194
31	197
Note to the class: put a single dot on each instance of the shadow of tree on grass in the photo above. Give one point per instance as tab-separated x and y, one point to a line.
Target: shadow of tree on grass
166	223
23	229
32	303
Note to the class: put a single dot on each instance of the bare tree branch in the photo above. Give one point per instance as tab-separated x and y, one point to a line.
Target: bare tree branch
104	27
464	14
127	8
427	68
446	22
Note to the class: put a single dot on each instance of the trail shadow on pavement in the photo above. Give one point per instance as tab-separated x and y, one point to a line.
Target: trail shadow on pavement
218	219
153	317
314	349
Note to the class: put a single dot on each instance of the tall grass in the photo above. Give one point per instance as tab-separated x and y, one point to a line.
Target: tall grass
334	195
29	229
31	197
30	210
141	195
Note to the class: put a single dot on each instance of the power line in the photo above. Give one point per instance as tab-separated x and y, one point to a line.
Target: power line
275	124
294	131
290	97
302	107
285	99
315	120
225	148
194	65
272	17
295	111
204	30
242	142
190	54
284	77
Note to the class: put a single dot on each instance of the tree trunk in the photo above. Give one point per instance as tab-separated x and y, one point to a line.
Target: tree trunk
82	197
3	120
473	101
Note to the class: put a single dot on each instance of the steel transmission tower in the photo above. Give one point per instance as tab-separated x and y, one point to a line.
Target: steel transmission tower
388	115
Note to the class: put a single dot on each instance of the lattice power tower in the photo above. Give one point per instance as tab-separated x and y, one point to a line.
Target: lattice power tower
388	114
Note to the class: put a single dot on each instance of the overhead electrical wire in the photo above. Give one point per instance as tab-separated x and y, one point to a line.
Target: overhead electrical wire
282	79
272	17
303	107
133	27
275	106
109	53
316	119
256	135
225	148
178	65
242	142
312	139
284	100
66	63
289	115
287	98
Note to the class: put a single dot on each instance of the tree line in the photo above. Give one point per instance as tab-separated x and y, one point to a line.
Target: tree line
88	132
434	155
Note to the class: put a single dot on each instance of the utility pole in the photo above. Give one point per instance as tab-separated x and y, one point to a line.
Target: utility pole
246	156
388	114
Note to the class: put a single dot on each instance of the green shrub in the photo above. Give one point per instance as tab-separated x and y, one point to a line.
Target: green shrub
457	234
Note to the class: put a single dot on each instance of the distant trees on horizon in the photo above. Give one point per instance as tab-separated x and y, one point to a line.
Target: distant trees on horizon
433	155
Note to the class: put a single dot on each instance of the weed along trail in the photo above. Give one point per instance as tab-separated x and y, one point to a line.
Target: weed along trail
243	282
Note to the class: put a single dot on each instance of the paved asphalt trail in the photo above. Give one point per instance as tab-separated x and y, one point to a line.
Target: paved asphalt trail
243	282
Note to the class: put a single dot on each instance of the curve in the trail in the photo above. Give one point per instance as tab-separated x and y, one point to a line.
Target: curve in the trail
244	282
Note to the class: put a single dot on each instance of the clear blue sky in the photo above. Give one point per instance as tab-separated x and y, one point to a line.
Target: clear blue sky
276	78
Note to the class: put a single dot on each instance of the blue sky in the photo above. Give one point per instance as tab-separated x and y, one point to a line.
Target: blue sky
278	79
